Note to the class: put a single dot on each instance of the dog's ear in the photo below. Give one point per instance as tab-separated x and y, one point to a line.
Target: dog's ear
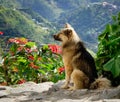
67	25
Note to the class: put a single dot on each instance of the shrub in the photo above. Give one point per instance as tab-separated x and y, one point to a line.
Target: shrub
108	55
26	62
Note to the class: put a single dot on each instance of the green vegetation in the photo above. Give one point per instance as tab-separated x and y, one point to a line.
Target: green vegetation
108	55
14	23
9	3
26	62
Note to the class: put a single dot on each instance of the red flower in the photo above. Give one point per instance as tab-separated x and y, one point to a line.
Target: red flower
1	33
33	65
21	81
39	58
28	50
55	48
20	48
31	57
61	70
16	40
13	40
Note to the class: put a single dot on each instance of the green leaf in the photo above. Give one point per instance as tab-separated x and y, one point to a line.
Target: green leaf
41	71
114	41
106	32
22	59
113	66
1	69
45	47
31	44
114	18
13	48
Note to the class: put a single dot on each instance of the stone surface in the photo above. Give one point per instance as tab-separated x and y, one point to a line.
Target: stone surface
50	92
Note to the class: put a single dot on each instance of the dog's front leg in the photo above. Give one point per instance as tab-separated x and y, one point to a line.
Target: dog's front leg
68	72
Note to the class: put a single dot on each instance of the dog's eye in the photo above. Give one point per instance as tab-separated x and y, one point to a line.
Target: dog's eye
68	32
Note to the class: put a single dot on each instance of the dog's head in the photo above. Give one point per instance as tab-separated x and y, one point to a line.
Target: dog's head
63	35
66	34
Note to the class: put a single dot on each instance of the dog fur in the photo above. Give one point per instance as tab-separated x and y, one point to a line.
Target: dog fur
79	64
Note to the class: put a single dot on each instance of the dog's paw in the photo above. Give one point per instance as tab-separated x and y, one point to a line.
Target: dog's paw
64	86
71	88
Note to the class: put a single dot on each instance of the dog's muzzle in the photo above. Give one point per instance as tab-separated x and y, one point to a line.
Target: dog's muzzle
56	37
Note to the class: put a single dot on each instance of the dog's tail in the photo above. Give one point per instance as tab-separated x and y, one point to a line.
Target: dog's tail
101	83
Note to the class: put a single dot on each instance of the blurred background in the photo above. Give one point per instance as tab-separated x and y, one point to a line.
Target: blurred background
37	20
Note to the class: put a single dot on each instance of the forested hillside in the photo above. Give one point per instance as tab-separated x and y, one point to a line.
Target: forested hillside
39	19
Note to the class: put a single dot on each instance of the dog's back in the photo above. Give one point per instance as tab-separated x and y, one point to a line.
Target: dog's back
84	61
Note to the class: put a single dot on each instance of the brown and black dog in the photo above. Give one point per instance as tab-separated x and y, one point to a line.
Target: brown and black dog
79	64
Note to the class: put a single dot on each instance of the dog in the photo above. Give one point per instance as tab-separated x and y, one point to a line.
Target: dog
79	64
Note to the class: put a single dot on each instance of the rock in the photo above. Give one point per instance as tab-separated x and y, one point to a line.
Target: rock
50	92
3	92
31	86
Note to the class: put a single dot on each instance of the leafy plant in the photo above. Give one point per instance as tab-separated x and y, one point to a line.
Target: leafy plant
108	55
25	62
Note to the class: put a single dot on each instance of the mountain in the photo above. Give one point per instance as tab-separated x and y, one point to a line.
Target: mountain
39	19
14	23
52	9
91	19
88	17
